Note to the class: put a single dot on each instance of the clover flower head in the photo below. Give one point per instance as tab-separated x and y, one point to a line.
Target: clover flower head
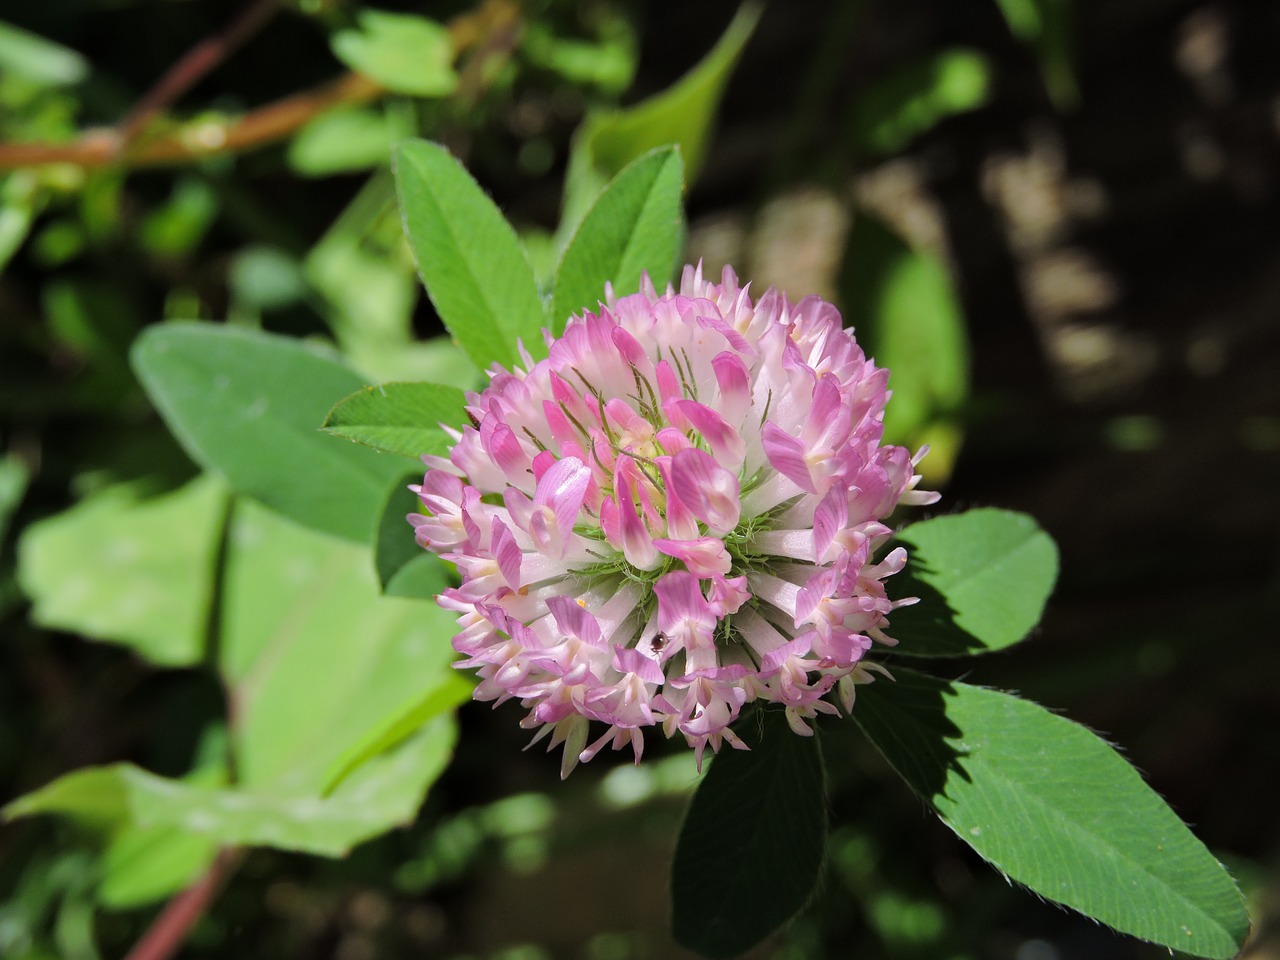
674	514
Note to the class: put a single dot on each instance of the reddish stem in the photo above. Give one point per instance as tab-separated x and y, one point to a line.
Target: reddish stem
170	929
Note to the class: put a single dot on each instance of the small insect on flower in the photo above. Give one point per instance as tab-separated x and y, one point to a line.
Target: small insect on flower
676	513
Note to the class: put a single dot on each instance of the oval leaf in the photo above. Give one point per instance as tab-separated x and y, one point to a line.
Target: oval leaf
633	228
751	847
249	405
1053	807
401	418
476	273
982	578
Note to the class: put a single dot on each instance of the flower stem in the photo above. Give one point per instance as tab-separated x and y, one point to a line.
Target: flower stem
170	929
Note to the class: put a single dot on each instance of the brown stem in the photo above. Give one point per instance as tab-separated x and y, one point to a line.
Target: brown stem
170	929
261	127
188	71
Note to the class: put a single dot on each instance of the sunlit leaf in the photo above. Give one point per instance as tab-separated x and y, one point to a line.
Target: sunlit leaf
39	60
751	847
381	793
401	418
476	273
128	570
983	578
912	99
682	114
404	53
342	141
1053	807
634	227
315	659
908	316
249	405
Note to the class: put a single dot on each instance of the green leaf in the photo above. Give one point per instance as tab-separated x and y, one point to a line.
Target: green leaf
983	578
342	141
249	405
401	418
682	114
405	569
1046	26
404	53
128	570
908	316
38	60
751	847
634	227
144	864
383	792
1055	808
912	99
315	659
13	484
475	271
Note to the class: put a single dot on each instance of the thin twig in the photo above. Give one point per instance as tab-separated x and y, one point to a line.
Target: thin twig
258	128
170	929
198	61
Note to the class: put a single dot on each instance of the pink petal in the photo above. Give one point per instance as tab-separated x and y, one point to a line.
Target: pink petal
786	453
711	492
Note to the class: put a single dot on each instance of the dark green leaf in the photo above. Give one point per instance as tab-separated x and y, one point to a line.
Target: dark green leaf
1053	807
249	405
751	847
395	548
633	228
982	577
475	271
401	418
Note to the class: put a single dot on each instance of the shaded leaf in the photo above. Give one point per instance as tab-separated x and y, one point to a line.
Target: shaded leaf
476	273
249	405
1055	808
634	227
983	578
127	570
401	418
751	847
404	53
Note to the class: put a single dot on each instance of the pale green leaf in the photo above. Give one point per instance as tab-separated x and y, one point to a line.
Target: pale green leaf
384	792
633	228
315	659
39	60
751	847
343	141
1055	808
983	578
129	570
249	405
401	418
476	273
404	53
